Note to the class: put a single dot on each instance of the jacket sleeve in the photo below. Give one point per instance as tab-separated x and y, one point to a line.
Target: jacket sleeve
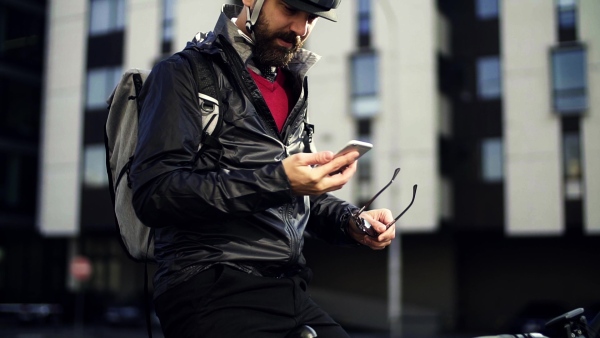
166	188
329	217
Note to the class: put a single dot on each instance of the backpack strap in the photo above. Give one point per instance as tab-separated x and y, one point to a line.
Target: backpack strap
208	93
137	83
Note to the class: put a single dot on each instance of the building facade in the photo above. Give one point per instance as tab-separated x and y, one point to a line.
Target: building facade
491	107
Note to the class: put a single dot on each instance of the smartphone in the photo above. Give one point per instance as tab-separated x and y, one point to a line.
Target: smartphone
354	145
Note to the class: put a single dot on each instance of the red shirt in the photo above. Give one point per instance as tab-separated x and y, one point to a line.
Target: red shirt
276	95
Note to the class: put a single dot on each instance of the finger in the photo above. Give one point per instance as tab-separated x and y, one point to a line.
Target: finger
344	174
322	157
340	163
373	217
376	244
314	159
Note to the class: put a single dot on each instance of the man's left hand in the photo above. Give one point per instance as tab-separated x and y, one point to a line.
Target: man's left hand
378	219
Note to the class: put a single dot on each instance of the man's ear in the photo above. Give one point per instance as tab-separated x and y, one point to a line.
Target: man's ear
249	3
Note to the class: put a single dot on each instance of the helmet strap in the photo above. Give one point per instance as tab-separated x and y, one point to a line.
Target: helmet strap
252	16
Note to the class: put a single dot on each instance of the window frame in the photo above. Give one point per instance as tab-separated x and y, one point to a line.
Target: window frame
556	107
111	77
364	95
483	91
94	169
482	14
113	20
494	173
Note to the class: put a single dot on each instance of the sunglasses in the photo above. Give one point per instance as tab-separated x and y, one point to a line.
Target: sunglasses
364	225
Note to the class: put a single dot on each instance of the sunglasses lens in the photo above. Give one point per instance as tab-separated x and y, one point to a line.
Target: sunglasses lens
366	227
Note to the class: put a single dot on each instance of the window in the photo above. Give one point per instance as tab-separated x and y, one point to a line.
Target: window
365	85
566	13
168	18
94	173
489	84
486	9
492	160
364	23
11	175
364	70
572	165
106	16
569	80
100	84
18	165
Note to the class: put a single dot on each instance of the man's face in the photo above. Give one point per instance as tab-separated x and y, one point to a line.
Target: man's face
280	31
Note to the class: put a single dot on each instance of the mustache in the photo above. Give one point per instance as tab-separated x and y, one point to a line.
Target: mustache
290	37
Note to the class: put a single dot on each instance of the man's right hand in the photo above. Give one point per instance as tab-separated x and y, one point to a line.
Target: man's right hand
310	174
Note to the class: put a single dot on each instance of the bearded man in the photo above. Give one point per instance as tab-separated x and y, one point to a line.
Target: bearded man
229	215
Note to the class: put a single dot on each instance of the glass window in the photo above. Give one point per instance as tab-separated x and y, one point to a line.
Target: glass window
492	160
569	77
571	155
365	74
566	13
489	84
365	85
572	166
94	174
18	164
11	168
566	19
486	9
106	16
168	19
100	84
364	16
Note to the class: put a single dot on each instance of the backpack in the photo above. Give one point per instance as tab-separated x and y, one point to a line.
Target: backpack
120	140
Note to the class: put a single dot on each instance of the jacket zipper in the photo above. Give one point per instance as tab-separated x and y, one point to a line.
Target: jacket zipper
294	236
296	112
238	70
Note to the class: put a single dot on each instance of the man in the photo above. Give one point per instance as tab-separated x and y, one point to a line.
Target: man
229	219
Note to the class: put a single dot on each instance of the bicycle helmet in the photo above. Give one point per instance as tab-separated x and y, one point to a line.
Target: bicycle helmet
322	8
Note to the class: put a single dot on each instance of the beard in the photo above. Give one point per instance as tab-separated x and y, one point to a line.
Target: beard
266	49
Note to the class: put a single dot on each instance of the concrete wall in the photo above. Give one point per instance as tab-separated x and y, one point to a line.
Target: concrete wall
193	16
329	84
589	28
533	181
405	133
63	99
143	34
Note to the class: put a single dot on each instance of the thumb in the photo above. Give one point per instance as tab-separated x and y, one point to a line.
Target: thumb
322	157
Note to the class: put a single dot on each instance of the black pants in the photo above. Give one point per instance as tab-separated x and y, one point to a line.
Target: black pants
223	302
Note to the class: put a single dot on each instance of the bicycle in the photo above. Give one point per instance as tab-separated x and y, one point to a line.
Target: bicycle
572	324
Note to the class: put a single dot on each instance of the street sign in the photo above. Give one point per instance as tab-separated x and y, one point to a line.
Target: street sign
81	268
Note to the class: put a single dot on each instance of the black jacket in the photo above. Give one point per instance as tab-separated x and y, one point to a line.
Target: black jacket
232	205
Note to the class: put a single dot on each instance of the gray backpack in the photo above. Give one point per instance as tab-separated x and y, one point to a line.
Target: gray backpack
120	140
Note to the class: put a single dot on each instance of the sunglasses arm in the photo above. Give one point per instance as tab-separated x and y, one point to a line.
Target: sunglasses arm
405	210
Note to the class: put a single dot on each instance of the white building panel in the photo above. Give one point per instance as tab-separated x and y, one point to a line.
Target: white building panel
533	190
59	187
193	16
405	136
589	34
143	34
329	89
